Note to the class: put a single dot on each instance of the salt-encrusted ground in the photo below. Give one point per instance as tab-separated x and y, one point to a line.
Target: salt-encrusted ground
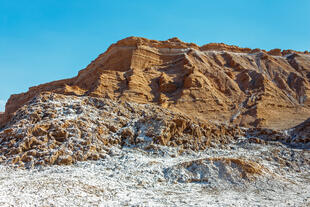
158	177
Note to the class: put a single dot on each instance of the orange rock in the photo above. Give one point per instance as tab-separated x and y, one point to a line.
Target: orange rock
275	52
214	81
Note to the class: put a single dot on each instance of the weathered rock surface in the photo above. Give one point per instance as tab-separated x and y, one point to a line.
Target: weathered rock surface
301	133
59	129
144	93
203	170
213	82
63	129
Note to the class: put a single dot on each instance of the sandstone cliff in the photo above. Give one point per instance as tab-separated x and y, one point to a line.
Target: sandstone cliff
155	120
144	93
212	82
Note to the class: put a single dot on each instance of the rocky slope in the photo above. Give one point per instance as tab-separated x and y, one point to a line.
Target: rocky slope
58	129
213	82
143	92
63	129
99	152
302	132
163	123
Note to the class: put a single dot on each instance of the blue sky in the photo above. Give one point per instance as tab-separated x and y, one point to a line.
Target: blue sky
42	41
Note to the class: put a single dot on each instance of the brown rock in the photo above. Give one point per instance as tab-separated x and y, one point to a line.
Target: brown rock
60	135
300	133
144	91
192	77
275	52
65	160
166	84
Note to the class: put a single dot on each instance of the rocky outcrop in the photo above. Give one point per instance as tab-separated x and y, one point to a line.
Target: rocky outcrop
59	129
237	171
1	116
145	93
63	129
216	81
301	133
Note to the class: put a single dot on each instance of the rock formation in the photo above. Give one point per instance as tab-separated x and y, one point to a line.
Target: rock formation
144	92
213	82
301	133
58	129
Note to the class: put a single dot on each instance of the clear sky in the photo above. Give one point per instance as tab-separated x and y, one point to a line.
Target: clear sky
45	40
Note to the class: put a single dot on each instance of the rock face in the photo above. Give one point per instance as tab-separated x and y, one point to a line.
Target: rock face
301	133
246	87
156	120
144	93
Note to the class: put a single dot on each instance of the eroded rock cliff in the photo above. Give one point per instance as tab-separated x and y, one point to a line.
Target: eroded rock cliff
213	82
144	93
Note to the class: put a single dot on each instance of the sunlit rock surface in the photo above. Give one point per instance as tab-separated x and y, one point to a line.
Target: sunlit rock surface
163	123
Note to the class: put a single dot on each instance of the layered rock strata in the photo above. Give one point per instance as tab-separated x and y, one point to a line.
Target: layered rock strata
247	87
145	93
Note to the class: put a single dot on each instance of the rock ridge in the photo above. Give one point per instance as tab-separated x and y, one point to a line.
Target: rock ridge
252	88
